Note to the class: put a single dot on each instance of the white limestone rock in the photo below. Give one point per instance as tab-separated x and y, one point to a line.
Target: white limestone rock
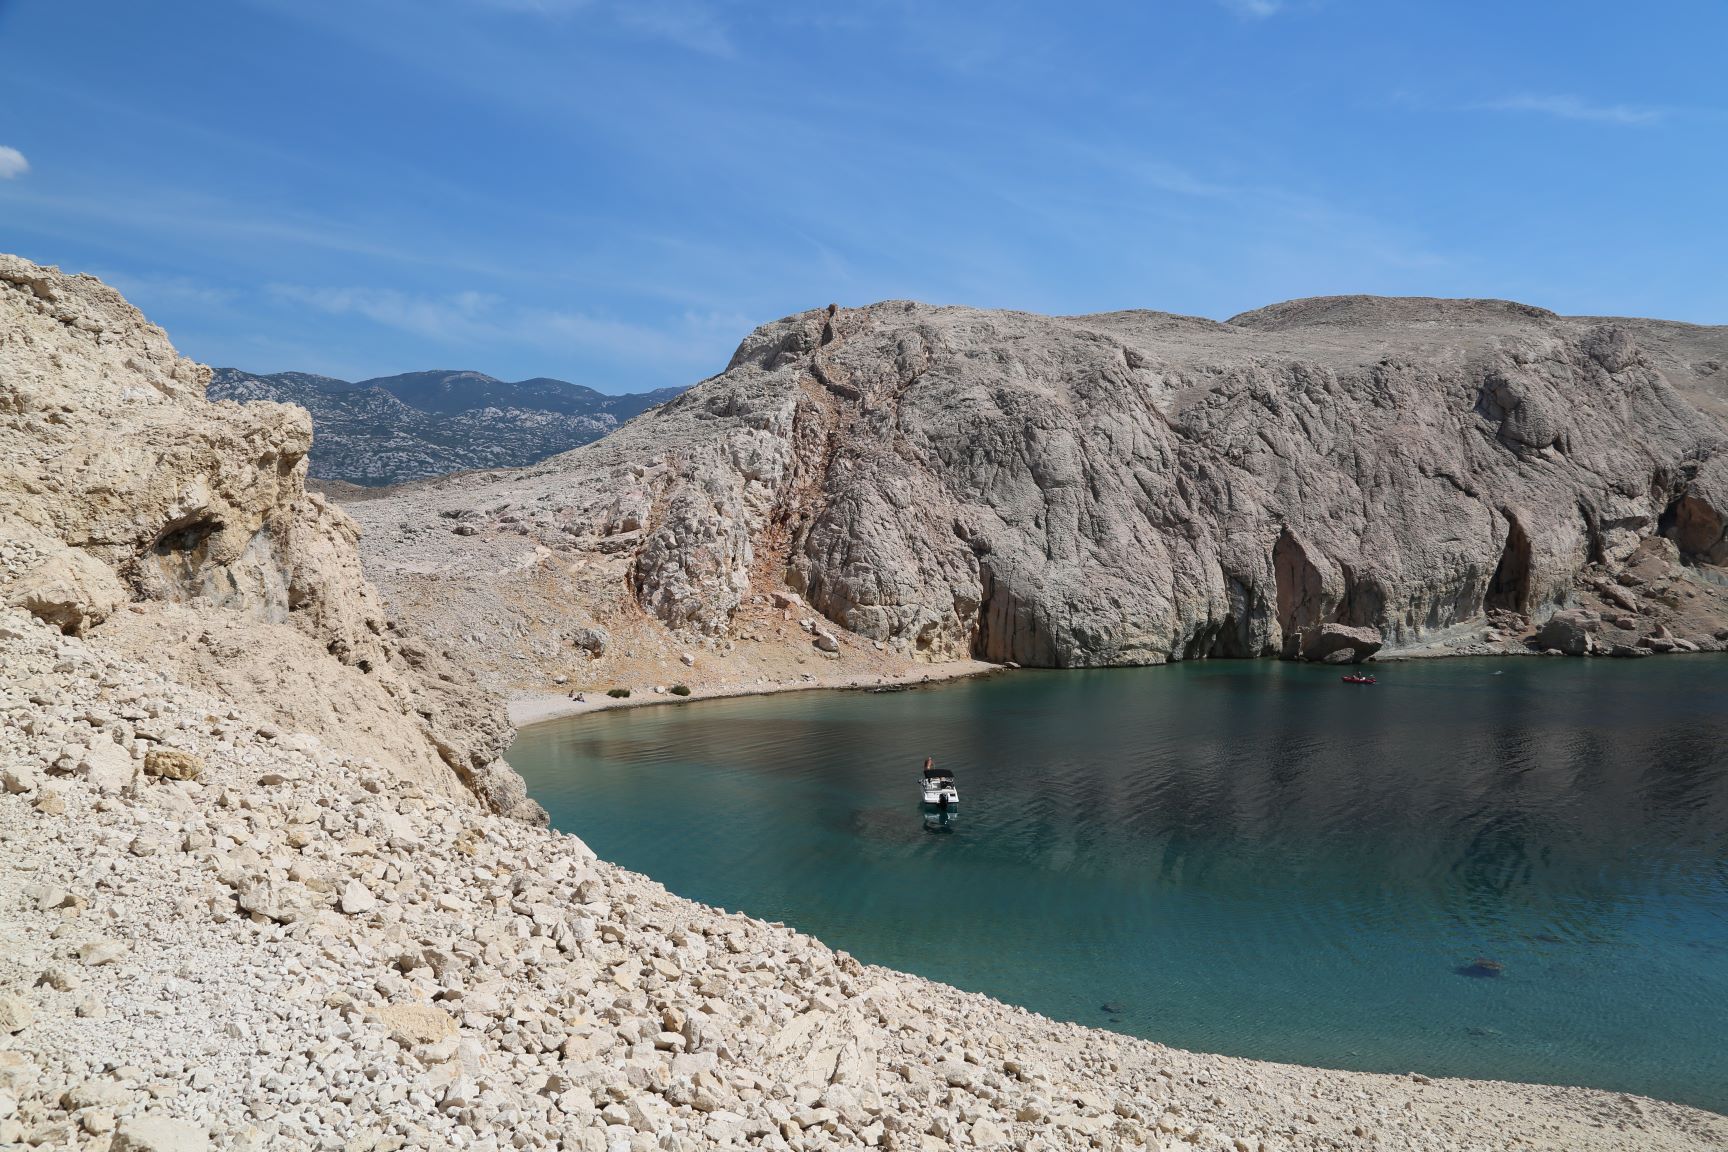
357	899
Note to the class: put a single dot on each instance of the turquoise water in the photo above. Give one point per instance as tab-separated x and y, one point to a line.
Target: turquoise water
1241	857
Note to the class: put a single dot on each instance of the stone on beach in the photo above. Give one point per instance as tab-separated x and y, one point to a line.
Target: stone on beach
159	1134
357	899
172	764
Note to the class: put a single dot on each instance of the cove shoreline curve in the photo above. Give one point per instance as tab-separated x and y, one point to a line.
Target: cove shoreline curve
540	708
1563	1114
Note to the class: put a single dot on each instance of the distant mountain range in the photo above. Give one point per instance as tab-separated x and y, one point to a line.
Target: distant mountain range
421	424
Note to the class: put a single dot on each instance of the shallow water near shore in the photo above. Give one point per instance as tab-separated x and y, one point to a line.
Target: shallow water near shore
1249	858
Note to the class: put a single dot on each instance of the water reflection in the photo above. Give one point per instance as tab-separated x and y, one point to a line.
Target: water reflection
939	821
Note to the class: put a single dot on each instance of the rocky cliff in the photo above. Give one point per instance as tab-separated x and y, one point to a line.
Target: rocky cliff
1313	479
180	531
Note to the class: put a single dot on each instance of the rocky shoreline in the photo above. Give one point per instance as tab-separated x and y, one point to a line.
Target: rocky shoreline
224	934
543	707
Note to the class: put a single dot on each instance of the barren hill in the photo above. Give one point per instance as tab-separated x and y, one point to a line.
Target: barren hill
182	531
1315	478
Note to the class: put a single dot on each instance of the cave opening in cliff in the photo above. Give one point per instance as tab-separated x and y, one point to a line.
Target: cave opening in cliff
1696	528
1300	590
188	537
1509	590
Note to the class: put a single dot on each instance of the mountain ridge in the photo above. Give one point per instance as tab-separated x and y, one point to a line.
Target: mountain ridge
416	425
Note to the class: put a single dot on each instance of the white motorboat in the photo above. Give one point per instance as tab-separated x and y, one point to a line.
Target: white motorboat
938	788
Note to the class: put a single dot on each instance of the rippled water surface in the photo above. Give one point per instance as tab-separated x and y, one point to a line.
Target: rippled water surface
1247	858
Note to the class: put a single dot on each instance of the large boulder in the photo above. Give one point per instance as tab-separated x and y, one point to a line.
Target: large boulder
1572	631
70	589
1339	643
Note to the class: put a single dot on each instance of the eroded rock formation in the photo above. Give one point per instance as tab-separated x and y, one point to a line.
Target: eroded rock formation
181	530
1138	487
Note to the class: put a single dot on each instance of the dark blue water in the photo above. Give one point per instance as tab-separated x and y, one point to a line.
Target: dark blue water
1246	858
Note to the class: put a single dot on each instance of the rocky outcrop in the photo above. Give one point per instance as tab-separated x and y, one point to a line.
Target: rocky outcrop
1572	633
1338	643
181	531
1127	488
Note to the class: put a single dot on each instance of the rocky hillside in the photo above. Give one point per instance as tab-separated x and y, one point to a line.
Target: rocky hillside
248	904
1316	479
179	530
422	424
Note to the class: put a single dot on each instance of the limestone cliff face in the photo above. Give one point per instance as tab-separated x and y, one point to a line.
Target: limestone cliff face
131	506
1132	488
1139	487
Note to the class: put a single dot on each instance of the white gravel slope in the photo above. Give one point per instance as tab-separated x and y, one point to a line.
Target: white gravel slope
296	951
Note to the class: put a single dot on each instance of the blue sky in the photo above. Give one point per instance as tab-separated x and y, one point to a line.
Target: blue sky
615	192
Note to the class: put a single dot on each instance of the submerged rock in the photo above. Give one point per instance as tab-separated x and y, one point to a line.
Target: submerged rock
1480	969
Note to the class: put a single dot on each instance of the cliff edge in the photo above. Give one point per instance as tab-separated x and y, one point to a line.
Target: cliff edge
180	531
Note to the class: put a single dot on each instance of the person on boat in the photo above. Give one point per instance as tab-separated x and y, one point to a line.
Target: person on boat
929	762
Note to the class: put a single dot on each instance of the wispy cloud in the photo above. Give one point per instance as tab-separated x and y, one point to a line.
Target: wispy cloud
687	23
1254	9
454	318
691	26
198	217
12	163
150	291
1274	217
689	340
1574	108
1166	177
544	7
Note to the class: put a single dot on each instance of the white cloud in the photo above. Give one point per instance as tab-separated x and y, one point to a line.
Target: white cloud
1254	9
688	341
689	24
462	316
12	163
1573	108
151	291
542	7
